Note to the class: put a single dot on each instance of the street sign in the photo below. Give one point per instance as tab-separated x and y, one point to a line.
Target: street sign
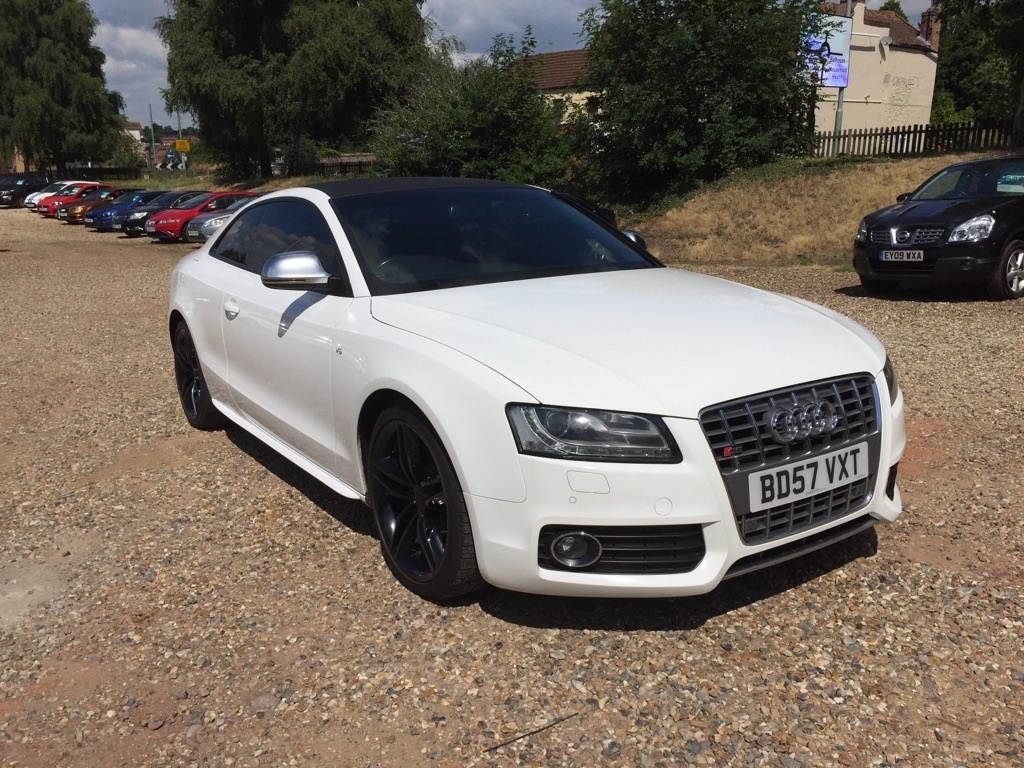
182	145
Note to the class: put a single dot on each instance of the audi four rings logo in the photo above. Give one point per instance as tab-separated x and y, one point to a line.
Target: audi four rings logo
802	421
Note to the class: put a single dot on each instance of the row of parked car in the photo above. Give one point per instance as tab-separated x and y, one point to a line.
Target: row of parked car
168	215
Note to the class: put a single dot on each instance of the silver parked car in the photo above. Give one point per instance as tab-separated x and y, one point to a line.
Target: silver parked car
201	228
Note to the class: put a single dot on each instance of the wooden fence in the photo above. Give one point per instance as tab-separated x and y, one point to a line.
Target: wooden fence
908	140
343	165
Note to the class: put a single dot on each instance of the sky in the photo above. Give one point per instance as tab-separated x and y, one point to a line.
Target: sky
136	63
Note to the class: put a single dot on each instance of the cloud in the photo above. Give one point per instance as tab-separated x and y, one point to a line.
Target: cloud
135	67
137	60
555	24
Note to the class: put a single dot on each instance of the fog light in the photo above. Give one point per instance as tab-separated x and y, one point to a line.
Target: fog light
576	549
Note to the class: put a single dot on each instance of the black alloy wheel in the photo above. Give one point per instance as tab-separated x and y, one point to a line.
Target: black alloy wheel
421	515
188	374
1008	280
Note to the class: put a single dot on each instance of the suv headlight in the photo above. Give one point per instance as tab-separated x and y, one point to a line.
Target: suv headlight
862	232
594	435
974	230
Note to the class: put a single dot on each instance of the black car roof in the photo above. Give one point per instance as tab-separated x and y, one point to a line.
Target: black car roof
353	187
988	162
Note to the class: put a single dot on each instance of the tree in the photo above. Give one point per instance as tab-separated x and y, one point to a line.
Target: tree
895	7
483	119
54	104
981	60
972	68
262	75
690	91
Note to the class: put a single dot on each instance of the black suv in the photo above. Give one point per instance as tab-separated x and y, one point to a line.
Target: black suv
16	187
964	225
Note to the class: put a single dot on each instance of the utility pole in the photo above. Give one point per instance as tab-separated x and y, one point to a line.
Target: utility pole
152	140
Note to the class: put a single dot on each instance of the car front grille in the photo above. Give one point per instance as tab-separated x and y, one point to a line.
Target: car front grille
742	443
632	549
918	236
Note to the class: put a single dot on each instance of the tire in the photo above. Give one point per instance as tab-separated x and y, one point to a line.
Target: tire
871	285
419	509
1008	280
192	390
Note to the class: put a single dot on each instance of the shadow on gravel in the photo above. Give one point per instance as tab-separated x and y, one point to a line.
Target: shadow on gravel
680	613
965	295
352	514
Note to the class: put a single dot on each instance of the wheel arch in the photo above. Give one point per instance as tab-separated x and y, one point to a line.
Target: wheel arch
373	407
173	319
471	433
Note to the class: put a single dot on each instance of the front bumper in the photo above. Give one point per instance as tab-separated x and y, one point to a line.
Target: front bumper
689	498
948	265
163	231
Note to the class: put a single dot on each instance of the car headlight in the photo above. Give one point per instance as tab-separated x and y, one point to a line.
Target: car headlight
862	232
890	380
137	216
216	223
974	230
594	435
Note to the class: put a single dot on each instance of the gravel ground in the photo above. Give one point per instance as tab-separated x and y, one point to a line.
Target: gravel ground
176	598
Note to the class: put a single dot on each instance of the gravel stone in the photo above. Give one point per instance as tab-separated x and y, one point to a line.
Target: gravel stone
176	598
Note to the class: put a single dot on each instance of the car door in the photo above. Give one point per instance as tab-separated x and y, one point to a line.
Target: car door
278	344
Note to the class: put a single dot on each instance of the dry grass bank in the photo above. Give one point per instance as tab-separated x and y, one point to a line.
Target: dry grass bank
806	218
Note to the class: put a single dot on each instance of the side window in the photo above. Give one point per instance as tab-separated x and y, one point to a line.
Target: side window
275	227
295	225
233	245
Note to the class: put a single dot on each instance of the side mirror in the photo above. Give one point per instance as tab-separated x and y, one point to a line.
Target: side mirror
294	271
636	237
904	197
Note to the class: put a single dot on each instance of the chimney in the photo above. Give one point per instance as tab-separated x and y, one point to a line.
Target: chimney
931	26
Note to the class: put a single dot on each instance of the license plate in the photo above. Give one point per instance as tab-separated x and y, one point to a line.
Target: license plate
802	479
88	219
115	226
150	228
902	255
193	233
62	214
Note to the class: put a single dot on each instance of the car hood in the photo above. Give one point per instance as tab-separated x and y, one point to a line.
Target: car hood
658	341
938	212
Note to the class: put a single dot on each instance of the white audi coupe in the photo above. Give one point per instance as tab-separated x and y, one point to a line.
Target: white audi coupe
523	396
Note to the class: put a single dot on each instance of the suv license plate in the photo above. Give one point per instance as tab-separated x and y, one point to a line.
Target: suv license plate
801	479
902	255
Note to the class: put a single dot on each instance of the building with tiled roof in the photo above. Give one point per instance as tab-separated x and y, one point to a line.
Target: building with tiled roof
563	75
892	71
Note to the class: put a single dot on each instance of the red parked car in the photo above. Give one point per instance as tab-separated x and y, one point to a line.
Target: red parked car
48	205
169	224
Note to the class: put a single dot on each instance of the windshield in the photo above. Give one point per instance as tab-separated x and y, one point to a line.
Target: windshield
973	182
416	240
164	200
193	200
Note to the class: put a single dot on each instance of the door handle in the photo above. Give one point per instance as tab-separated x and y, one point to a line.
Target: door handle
231	309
